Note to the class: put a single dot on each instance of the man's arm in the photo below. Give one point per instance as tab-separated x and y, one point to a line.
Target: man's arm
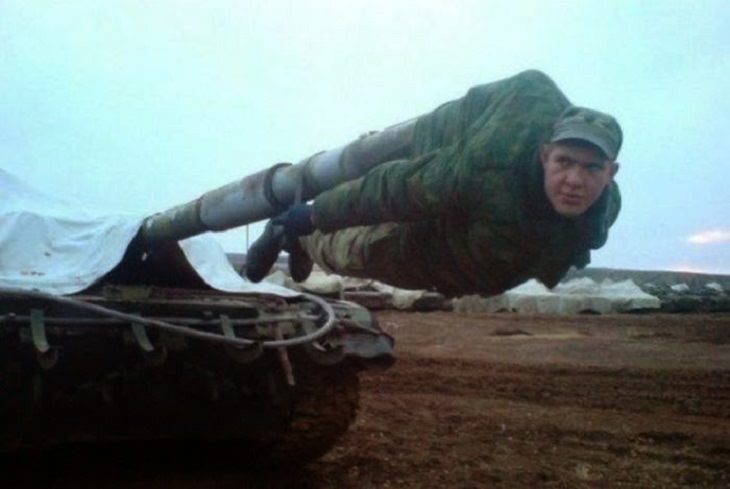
463	149
402	190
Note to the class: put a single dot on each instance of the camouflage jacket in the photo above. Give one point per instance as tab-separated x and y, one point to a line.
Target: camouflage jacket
475	215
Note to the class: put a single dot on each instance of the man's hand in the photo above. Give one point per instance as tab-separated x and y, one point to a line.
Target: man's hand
297	220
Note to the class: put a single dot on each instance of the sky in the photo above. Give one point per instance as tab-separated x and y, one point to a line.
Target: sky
135	106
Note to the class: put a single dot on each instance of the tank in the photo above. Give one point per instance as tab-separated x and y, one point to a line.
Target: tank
149	353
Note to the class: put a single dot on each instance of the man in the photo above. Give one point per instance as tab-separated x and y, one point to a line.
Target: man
510	182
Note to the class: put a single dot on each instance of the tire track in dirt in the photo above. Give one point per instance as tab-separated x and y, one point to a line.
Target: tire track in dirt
457	411
505	401
633	390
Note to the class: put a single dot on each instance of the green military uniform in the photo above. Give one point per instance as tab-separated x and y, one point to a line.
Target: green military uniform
468	213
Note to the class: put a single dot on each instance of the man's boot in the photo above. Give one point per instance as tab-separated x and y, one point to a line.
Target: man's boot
263	252
300	264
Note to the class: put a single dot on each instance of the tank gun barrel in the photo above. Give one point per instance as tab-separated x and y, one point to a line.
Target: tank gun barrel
266	193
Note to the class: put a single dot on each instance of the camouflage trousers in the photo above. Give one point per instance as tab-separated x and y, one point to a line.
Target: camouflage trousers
364	251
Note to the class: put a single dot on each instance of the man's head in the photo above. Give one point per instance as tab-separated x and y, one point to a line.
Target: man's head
580	160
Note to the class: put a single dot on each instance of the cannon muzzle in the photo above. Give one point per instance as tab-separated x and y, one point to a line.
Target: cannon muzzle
266	193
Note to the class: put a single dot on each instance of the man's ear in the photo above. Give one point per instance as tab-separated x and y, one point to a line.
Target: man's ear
614	168
544	153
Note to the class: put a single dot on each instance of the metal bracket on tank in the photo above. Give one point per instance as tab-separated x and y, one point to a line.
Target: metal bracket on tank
154	355
241	354
47	357
283	355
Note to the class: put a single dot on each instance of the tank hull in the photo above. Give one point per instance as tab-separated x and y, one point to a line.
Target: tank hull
77	377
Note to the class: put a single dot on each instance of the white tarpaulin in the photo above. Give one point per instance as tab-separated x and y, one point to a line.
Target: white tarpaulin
571	297
320	282
52	246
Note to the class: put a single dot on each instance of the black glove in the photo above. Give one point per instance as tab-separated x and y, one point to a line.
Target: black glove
297	220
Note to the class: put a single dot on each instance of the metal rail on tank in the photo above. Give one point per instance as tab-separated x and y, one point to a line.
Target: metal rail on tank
264	194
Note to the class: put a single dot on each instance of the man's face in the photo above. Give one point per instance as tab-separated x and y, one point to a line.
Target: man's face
575	176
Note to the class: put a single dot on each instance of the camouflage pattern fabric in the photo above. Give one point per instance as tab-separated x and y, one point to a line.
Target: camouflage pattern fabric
467	212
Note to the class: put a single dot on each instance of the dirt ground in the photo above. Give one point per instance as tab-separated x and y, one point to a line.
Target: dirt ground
512	401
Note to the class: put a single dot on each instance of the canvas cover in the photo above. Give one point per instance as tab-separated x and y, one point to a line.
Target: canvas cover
570	297
55	246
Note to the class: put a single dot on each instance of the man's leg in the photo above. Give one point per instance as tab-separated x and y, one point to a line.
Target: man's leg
364	251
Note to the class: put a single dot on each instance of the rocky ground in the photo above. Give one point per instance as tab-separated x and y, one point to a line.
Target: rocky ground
499	400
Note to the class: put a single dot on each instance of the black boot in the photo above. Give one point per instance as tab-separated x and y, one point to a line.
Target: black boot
300	265
263	252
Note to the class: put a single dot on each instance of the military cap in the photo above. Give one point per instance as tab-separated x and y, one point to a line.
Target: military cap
589	125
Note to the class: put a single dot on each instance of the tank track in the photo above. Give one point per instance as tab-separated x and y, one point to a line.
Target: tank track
325	406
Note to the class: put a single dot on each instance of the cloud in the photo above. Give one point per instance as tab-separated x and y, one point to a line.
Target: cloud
710	237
